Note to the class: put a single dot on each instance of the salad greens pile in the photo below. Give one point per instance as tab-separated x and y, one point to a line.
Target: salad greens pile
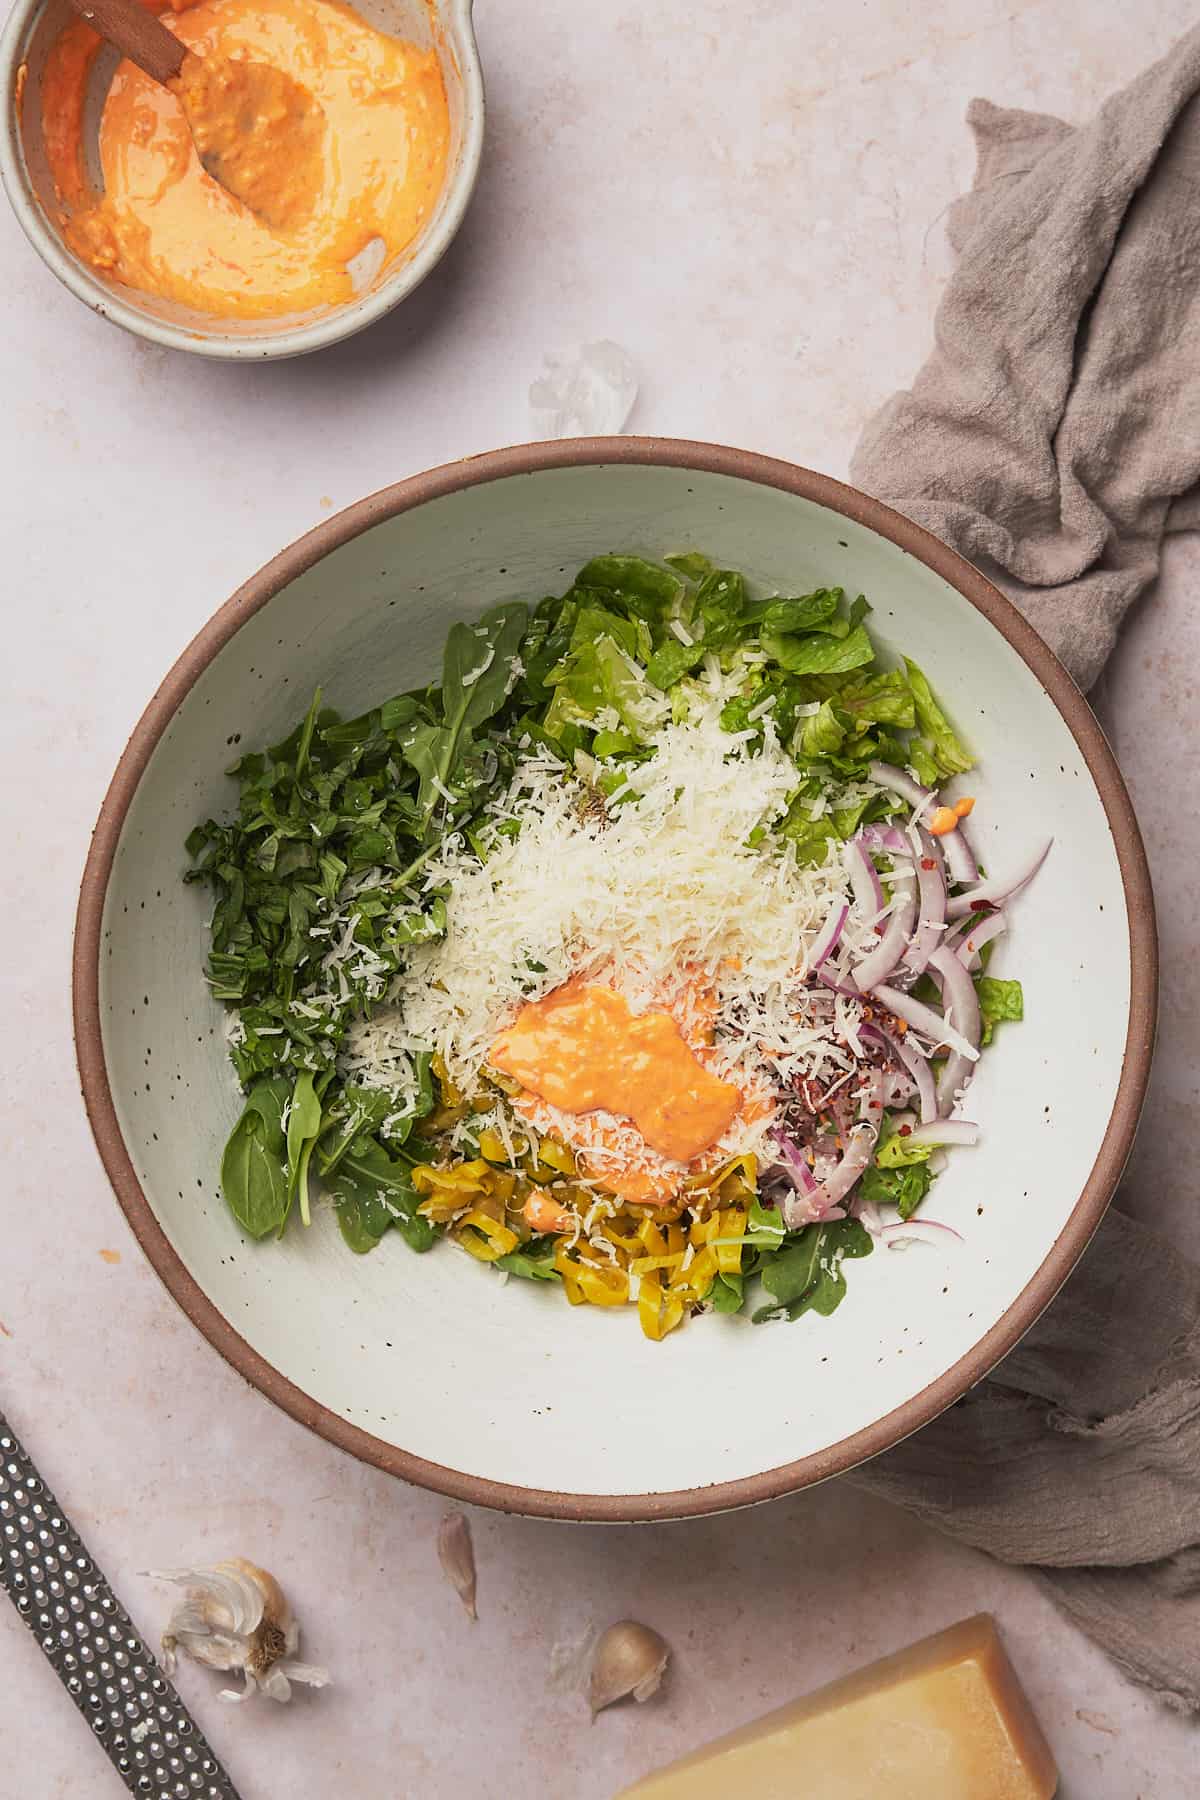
336	821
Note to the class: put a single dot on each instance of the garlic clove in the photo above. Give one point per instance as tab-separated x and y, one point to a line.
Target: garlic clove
456	1553
630	1659
235	1617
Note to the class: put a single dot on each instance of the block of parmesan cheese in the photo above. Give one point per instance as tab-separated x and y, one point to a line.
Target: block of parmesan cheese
945	1719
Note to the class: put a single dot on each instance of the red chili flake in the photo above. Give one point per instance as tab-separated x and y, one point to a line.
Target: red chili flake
879	931
981	905
927	862
906	1131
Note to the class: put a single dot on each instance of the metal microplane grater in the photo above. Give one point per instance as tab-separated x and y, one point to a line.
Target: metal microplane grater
87	1637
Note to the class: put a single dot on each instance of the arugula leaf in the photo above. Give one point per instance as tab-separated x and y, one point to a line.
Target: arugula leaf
477	677
793	1271
727	1293
534	1261
818	655
764	1226
357	1110
949	754
253	1168
373	1192
805	1276
998	1001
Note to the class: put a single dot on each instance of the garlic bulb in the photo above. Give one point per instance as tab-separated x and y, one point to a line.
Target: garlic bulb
629	1659
234	1616
456	1553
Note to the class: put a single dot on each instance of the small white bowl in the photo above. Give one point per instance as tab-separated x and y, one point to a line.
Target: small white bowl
33	26
507	1396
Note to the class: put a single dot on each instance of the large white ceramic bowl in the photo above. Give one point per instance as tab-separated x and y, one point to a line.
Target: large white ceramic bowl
504	1395
31	30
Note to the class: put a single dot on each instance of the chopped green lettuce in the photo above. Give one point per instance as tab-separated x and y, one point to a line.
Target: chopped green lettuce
998	1001
948	753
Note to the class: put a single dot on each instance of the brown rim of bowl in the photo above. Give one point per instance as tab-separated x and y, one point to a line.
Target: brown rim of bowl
1085	1216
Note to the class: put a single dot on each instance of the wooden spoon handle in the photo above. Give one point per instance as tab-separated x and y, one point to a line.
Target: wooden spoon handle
137	34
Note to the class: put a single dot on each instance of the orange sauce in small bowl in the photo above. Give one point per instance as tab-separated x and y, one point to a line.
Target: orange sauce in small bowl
377	148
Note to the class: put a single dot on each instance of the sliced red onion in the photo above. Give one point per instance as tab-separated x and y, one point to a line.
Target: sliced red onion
923	1018
868	1216
918	1231
804	1209
944	1131
828	936
996	890
864	881
917	1066
932	886
898	1087
879	963
973	939
884	837
798	1171
900	782
837	987
960	858
962	1009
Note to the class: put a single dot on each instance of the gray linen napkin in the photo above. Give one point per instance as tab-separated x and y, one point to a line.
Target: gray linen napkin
1053	437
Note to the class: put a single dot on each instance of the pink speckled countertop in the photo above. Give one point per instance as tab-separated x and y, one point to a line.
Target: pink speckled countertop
749	198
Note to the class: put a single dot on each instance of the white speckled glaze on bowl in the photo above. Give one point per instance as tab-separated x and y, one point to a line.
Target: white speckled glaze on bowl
30	31
504	1394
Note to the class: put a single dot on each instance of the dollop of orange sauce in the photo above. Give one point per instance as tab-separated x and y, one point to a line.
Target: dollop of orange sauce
376	150
583	1049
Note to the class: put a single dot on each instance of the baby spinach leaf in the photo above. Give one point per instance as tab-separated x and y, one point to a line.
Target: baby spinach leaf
303	1130
253	1168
